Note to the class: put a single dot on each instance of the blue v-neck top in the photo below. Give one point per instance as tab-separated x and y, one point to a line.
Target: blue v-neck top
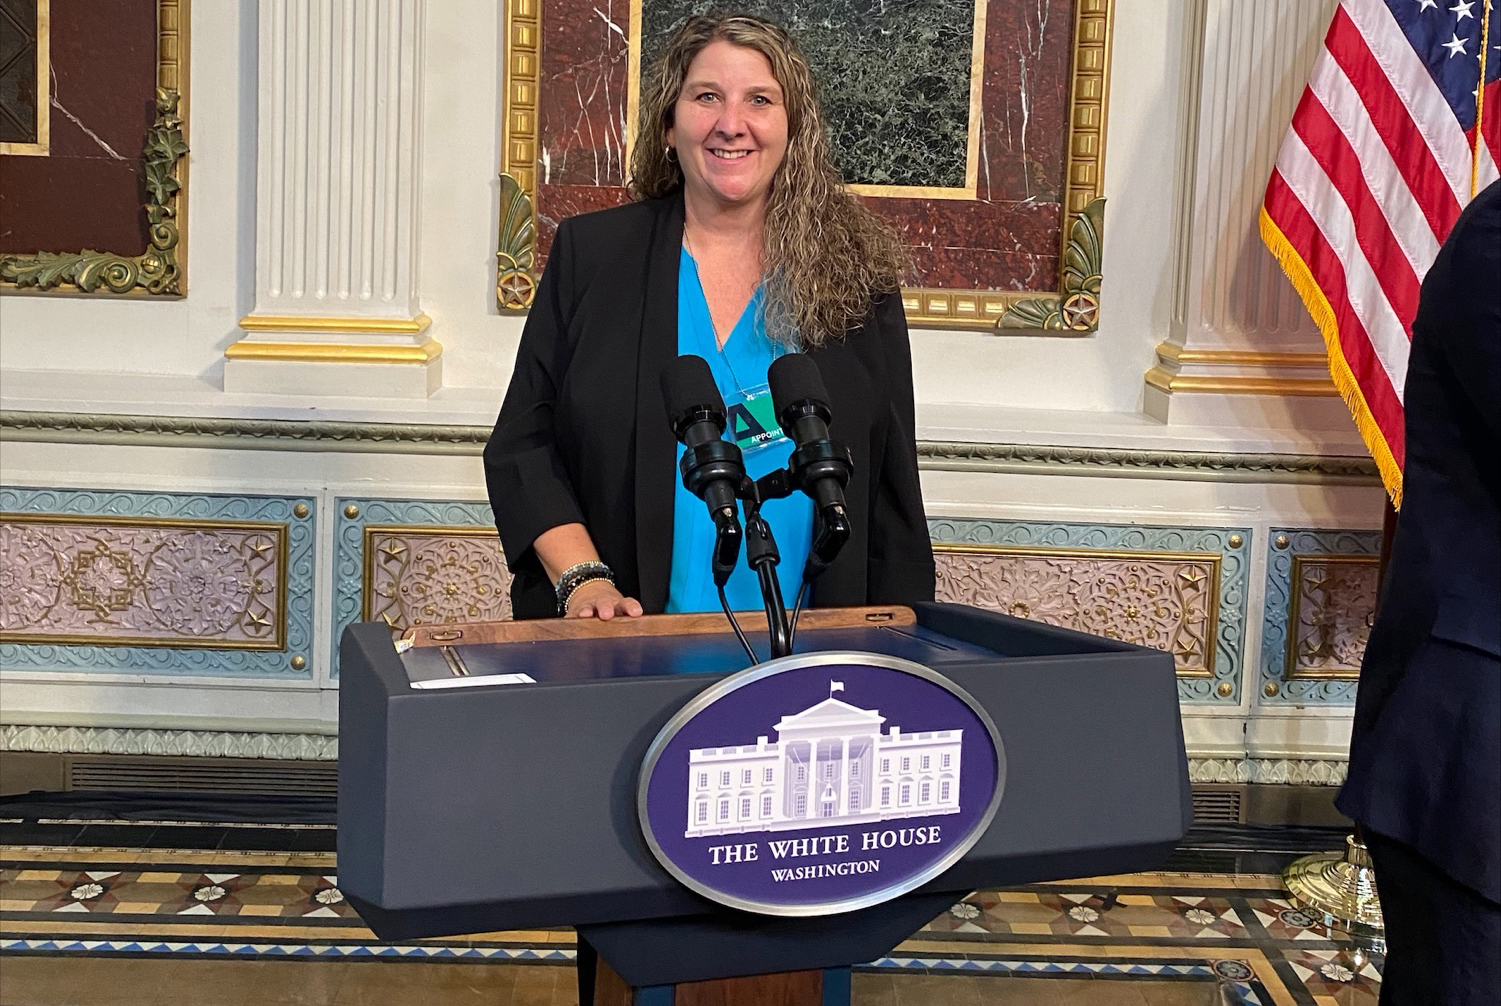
740	368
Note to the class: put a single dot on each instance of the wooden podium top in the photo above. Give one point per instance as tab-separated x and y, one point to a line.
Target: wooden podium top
625	627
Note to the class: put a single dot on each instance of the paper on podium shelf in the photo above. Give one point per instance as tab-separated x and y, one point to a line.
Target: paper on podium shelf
478	679
444	667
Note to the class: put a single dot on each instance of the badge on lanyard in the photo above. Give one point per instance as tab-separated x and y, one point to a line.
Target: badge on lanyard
752	419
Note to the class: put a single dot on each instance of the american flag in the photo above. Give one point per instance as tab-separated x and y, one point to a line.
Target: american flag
1393	136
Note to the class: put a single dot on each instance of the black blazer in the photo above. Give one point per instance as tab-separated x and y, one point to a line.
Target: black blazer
583	433
1425	755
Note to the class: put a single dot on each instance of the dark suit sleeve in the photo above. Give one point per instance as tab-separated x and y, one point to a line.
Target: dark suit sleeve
901	553
1460	310
528	483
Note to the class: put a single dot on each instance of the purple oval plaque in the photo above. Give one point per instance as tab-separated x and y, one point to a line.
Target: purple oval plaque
820	783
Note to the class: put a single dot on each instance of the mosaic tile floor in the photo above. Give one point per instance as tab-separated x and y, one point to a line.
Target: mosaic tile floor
95	925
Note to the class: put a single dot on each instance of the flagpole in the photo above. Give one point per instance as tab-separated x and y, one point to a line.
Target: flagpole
1339	888
1485	39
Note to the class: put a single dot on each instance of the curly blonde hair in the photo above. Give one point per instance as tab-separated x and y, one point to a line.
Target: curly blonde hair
825	256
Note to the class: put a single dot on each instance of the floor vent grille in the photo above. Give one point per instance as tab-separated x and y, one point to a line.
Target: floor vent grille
1219	804
204	775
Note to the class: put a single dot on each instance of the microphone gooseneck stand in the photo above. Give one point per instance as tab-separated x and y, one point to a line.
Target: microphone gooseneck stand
762	556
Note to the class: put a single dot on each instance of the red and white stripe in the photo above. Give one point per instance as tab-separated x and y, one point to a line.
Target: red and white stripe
1369	181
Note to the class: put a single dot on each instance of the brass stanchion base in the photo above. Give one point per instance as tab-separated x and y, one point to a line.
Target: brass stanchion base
1340	890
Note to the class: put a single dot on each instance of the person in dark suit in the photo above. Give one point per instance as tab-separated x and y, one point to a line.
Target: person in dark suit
1425	756
742	244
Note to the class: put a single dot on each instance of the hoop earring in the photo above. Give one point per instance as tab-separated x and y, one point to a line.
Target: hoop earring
669	155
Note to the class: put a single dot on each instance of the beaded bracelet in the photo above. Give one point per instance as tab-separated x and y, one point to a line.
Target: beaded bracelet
576	576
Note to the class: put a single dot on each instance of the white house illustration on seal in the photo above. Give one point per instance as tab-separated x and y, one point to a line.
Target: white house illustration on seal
830	765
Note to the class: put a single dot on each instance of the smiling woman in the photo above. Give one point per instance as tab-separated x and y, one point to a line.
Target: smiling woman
742	245
729	129
825	256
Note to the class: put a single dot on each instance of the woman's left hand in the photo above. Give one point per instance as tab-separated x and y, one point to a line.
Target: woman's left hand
599	599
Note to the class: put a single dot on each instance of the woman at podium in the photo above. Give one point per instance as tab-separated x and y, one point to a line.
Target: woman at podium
741	244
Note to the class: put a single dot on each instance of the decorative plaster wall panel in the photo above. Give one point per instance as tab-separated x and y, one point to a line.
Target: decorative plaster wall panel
1164	601
411	562
152	582
1182	590
423	576
1320	603
157	583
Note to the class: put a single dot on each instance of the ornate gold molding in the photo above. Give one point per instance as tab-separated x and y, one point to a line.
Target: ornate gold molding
161	269
515	258
1089	100
1290	387
1077	308
373	326
1166	374
523	74
316	352
1084	174
1233	358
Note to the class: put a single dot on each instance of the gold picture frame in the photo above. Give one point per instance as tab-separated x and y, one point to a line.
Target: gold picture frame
161	270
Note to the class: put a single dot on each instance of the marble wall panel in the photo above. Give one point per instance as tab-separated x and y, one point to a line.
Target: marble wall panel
88	190
894	78
900	114
1320	604
1182	590
159	583
24	49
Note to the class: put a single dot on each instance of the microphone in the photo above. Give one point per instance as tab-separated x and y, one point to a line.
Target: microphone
818	466
713	469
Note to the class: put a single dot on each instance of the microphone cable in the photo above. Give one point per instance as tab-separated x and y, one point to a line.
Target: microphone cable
797	609
724	602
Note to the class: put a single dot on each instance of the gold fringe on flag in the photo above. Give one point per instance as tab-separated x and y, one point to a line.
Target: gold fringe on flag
1485	41
1318	307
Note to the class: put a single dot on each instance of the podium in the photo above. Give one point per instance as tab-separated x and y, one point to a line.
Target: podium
472	806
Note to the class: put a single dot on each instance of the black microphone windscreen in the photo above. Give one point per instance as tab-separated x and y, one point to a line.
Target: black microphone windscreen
688	383
795	378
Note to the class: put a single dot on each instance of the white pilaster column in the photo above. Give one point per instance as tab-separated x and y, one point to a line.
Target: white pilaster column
337	199
1242	350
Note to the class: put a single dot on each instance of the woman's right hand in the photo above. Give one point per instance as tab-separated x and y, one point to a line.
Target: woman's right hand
599	599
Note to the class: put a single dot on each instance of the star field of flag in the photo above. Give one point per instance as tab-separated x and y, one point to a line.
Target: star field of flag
1447	36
